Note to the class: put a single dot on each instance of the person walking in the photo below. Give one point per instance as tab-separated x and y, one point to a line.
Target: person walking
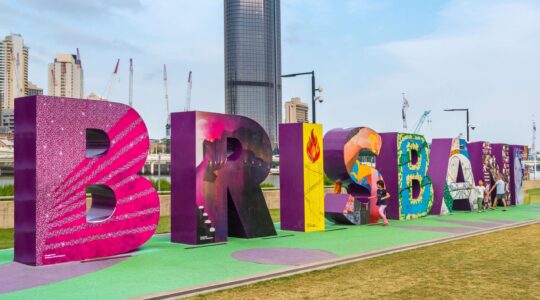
502	189
382	201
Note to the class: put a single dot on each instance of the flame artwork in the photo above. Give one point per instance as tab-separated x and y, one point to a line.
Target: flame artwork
313	150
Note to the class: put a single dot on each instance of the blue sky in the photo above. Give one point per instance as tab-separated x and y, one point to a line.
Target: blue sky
483	55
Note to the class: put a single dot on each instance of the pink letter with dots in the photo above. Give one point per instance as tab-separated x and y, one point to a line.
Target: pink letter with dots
64	149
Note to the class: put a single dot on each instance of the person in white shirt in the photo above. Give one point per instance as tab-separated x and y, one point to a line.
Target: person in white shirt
480	195
502	189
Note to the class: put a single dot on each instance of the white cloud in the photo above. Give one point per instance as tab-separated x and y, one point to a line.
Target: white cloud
482	56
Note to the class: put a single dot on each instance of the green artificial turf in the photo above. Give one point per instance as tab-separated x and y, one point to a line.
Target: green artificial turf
161	266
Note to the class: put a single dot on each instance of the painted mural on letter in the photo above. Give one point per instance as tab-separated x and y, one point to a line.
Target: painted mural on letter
350	161
415	188
220	161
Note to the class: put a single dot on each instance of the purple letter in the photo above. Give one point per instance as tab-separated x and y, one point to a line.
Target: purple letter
218	163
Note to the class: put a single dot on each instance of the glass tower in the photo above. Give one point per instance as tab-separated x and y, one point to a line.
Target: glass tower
253	62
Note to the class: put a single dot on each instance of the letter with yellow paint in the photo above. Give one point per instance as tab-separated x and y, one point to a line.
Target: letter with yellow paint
301	177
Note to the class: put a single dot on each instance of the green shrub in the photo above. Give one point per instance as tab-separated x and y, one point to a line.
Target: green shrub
328	181
7	190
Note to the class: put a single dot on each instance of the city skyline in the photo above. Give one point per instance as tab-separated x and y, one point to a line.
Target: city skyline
448	54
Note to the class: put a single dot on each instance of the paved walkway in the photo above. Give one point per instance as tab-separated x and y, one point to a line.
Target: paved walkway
160	269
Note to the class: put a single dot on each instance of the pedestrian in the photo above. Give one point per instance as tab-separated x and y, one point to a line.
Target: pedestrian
481	195
502	189
382	201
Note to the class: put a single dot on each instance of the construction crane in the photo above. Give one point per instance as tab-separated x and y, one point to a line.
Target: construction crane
110	84
168	124
79	57
420	122
131	82
188	93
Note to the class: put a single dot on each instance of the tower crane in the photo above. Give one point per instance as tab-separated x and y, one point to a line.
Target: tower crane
110	84
420	122
131	82
188	93
168	124
79	57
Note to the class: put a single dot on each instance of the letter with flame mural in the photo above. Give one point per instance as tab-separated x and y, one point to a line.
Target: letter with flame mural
404	160
301	177
65	147
453	189
350	161
218	163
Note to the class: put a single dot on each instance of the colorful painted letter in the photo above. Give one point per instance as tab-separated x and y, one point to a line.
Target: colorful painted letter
517	173
218	163
404	160
301	177
482	162
357	174
453	189
501	154
65	147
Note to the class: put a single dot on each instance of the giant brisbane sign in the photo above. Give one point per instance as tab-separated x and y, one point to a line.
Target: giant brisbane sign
67	148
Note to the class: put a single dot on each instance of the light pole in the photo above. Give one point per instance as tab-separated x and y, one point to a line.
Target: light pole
313	90
467	112
159	172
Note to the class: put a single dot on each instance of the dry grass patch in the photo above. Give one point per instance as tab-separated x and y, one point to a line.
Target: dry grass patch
499	265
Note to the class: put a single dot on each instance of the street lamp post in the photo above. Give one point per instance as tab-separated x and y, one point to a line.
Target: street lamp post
466	110
313	90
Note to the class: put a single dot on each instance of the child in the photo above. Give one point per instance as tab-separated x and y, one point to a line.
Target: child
502	188
480	195
382	201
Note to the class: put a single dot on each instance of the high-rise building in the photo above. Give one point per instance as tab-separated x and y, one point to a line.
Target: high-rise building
66	77
94	96
8	119
13	70
32	89
296	111
253	62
